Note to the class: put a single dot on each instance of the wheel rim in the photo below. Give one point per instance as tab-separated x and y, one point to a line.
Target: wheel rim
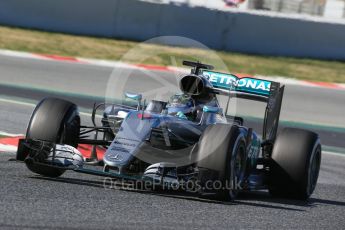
314	170
70	132
239	162
236	171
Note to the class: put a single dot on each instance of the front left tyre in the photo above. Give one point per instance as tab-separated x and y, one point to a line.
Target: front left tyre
295	165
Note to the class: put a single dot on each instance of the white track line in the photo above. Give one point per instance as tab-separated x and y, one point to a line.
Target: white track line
17	102
333	153
33	105
10	134
8	148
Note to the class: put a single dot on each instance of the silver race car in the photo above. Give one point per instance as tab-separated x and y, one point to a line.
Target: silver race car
188	143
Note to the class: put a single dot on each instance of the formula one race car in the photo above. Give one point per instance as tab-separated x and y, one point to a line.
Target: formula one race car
189	143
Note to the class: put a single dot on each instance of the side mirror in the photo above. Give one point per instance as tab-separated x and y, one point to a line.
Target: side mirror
207	117
133	96
136	97
211	109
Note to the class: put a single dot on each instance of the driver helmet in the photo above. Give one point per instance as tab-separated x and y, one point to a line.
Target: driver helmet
181	105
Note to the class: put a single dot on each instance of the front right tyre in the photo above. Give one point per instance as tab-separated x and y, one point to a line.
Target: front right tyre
222	152
56	121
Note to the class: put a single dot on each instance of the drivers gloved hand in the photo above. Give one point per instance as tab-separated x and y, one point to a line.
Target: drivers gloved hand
181	115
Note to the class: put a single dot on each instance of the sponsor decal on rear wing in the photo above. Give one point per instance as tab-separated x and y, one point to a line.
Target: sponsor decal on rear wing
231	82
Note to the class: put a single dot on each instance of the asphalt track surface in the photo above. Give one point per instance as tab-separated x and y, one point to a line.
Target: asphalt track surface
77	201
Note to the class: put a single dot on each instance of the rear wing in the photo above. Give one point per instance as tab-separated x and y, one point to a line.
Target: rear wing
229	83
250	88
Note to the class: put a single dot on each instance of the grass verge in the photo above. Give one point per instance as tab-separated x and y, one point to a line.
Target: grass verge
112	49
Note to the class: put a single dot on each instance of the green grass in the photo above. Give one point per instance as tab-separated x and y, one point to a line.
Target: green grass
112	49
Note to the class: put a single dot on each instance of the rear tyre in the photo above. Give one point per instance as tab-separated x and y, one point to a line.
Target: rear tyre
222	150
57	121
295	167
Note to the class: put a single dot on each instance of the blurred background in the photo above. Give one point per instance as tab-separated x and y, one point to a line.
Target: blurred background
322	8
296	28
